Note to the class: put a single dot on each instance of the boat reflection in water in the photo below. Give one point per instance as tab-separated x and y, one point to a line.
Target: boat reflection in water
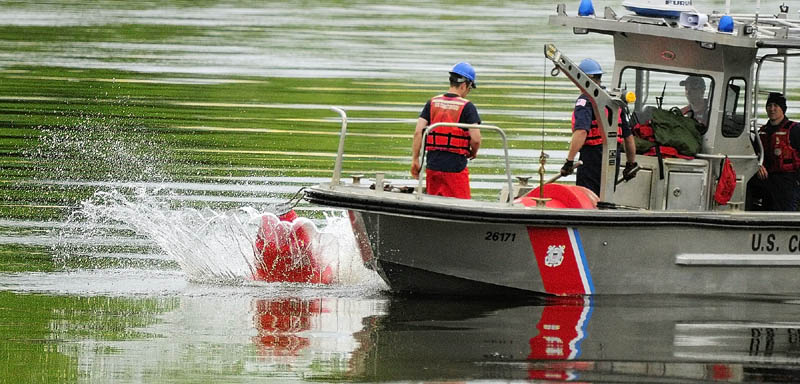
582	339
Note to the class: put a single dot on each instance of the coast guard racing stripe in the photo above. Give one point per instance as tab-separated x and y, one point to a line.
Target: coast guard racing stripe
562	263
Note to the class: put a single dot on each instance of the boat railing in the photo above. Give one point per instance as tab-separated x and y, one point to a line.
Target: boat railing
466	126
720	156
781	57
337	168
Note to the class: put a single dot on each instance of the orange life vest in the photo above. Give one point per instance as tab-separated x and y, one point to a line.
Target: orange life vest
595	135
446	109
783	157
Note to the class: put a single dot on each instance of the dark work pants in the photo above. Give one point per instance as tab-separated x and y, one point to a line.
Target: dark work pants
588	174
779	192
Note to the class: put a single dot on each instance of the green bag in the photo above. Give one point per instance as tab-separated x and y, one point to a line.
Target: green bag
643	145
672	129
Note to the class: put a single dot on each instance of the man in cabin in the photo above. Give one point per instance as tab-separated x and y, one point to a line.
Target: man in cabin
695	89
776	185
448	148
587	138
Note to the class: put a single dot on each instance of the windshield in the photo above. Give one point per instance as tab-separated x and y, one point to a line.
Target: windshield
689	93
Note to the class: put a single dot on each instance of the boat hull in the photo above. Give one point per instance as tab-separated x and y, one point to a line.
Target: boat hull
435	247
441	257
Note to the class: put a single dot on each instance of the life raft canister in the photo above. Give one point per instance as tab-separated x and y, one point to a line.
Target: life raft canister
285	253
446	109
562	196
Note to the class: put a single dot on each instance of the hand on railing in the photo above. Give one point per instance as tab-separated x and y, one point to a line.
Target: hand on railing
762	173
415	167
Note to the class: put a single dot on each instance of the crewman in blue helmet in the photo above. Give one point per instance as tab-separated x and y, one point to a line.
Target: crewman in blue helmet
587	138
448	148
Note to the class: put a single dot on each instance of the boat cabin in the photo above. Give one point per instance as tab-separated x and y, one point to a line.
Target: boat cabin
709	64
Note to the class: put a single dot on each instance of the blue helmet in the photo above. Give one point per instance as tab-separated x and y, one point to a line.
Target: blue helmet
466	71
590	67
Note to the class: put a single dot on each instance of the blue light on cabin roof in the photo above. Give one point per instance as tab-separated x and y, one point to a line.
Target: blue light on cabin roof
725	24
586	8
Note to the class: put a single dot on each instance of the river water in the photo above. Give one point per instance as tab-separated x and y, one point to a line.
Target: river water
149	279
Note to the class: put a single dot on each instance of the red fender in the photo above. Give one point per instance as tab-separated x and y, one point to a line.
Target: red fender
562	196
271	244
301	241
285	252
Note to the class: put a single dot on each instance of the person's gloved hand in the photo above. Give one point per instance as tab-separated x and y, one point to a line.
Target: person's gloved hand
630	170
567	168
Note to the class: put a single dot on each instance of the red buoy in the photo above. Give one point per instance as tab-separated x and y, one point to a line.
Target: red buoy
562	196
285	251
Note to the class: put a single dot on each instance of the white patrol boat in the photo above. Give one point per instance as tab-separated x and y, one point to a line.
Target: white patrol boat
662	232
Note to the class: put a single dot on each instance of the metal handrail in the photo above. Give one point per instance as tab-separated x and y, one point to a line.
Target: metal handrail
757	88
337	168
467	126
732	157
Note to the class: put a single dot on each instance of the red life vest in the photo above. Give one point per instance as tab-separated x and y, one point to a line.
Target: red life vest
446	109
783	157
595	135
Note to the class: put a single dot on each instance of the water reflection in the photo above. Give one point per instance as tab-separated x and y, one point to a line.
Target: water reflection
285	333
602	339
281	322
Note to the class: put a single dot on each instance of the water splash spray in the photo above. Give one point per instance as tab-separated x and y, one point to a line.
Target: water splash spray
99	147
210	246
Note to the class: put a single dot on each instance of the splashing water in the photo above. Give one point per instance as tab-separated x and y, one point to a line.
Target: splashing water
337	244
100	147
210	246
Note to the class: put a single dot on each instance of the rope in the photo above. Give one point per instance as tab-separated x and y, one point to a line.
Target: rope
287	206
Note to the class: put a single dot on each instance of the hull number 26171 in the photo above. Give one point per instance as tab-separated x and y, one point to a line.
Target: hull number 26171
500	236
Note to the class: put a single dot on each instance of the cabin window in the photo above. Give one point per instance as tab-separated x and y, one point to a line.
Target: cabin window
689	93
733	118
